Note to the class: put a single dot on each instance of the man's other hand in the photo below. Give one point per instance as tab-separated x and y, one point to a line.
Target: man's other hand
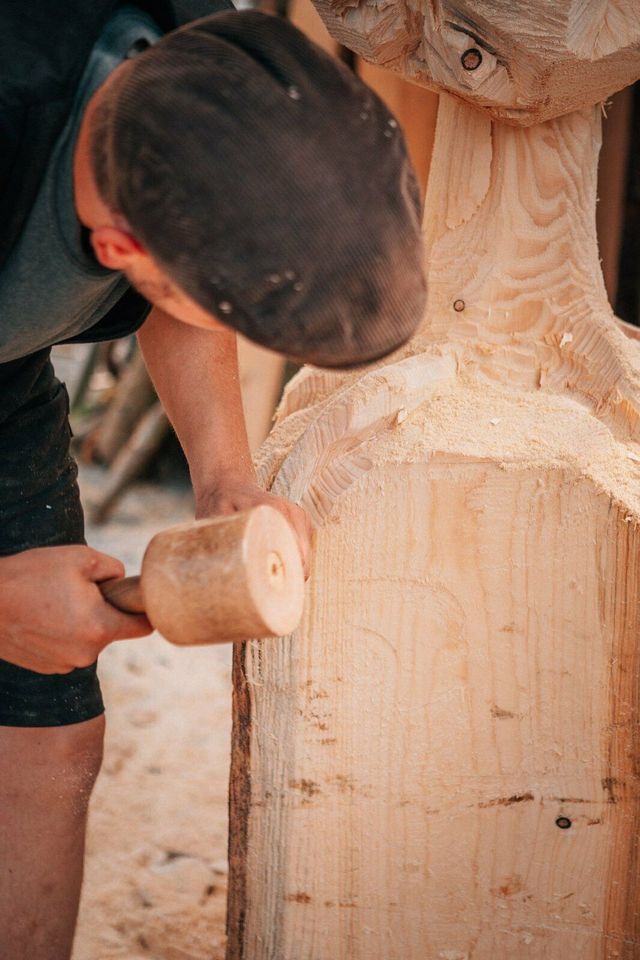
232	496
53	617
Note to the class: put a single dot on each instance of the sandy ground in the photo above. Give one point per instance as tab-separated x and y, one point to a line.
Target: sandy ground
155	881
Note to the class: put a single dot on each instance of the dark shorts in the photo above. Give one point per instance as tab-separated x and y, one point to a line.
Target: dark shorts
39	506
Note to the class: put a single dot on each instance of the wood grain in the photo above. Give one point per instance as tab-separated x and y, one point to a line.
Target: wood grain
416	759
441	763
538	60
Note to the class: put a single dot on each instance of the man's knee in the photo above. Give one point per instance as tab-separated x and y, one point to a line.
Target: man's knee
62	762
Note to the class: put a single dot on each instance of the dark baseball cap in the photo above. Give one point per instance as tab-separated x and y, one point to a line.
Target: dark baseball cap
272	186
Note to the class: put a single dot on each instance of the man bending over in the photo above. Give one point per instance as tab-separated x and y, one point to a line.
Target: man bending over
223	177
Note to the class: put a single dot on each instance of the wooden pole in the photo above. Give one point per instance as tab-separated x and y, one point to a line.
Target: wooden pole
440	764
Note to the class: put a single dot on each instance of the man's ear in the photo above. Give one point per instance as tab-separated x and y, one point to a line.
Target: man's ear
114	248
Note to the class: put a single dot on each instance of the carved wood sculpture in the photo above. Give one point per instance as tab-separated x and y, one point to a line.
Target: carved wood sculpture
442	762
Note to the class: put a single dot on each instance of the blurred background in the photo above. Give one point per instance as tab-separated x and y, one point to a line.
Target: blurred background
156	860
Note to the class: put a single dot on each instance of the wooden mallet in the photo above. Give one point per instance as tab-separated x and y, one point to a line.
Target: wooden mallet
237	577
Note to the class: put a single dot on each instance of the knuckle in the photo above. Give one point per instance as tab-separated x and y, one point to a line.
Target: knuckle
89	561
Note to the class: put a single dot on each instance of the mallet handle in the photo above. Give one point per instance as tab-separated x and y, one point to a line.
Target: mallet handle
124	594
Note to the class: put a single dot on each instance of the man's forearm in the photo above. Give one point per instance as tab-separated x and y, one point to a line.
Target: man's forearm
195	372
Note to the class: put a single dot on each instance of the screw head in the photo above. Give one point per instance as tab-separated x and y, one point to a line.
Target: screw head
471	58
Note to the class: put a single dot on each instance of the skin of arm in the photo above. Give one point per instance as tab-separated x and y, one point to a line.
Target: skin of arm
195	373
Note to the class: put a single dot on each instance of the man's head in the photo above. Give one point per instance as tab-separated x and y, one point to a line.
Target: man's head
250	178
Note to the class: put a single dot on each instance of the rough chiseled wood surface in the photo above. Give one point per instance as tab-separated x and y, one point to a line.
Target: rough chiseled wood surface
538	59
441	764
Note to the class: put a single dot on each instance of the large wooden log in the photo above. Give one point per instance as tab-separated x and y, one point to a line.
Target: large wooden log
441	764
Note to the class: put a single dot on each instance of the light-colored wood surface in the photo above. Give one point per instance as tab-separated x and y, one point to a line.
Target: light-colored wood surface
440	764
224	579
123	593
218	580
531	61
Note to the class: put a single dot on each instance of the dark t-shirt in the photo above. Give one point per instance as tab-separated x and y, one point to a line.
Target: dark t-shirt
51	286
44	47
